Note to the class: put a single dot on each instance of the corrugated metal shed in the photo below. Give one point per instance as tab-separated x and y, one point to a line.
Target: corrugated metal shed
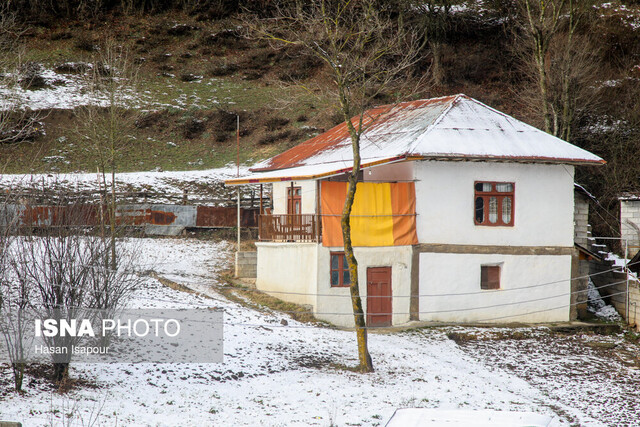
149	215
449	128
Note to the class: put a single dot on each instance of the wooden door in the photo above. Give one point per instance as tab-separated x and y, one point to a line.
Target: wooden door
379	307
294	200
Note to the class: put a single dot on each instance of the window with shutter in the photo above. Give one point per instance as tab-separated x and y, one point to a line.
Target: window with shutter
490	277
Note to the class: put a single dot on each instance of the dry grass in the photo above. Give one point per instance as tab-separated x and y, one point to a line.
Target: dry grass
263	302
174	285
507	334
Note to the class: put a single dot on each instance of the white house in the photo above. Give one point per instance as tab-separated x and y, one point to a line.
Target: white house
462	214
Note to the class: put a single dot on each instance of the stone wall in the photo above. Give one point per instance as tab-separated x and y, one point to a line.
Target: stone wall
630	223
246	264
619	301
581	219
579	285
612	286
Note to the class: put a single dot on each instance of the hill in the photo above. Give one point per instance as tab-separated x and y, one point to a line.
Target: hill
191	71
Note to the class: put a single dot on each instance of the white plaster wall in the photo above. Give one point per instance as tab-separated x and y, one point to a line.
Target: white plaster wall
338	299
543	203
402	171
460	273
308	188
393	172
288	270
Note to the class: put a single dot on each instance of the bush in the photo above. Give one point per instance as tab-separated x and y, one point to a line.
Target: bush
221	70
276	123
188	77
221	137
31	76
86	44
223	120
274	137
153	118
72	68
299	68
180	30
21	129
193	128
225	39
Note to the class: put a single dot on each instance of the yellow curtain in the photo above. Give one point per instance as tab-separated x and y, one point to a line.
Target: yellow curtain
383	214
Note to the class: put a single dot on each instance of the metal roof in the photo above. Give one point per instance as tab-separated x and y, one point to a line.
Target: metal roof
448	128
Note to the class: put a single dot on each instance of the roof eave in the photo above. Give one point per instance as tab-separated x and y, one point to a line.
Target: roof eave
293	177
517	159
440	157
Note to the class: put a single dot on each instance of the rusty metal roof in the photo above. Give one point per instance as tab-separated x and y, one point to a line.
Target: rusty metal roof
454	127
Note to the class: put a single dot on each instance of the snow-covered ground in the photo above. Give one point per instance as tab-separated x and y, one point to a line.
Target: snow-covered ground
59	90
291	374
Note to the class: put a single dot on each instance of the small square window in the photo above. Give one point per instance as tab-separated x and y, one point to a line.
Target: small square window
490	277
339	270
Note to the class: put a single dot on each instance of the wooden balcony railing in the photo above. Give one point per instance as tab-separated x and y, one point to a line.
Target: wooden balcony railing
289	228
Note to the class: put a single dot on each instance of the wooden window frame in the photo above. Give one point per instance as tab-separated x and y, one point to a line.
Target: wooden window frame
500	196
294	197
486	273
342	267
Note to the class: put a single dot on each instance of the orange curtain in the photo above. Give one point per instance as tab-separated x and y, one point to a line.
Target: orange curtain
383	214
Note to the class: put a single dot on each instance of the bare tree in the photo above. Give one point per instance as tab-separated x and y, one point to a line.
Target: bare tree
57	267
16	123
542	20
14	300
107	124
561	61
367	55
436	21
63	270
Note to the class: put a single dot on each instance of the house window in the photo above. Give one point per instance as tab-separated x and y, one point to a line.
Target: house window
490	277
339	270
494	203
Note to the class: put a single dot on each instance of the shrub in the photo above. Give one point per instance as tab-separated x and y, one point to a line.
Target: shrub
193	128
276	123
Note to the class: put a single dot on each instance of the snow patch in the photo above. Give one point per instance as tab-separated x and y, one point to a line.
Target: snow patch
61	91
598	307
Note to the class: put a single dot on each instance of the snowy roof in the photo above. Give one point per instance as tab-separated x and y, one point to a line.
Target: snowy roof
449	128
629	196
580	189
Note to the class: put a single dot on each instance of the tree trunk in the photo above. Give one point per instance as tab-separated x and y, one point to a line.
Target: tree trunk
18	374
60	371
542	84
365	362
113	129
437	70
112	218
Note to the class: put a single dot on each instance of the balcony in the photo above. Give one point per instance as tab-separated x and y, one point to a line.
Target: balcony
290	228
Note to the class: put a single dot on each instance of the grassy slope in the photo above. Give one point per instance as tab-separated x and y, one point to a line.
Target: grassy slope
191	124
181	124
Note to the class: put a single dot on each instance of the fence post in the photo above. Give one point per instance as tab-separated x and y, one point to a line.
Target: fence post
626	268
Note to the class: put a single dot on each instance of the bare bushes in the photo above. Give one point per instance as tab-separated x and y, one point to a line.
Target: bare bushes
59	270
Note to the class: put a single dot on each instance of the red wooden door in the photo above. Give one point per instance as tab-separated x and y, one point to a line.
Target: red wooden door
379	296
